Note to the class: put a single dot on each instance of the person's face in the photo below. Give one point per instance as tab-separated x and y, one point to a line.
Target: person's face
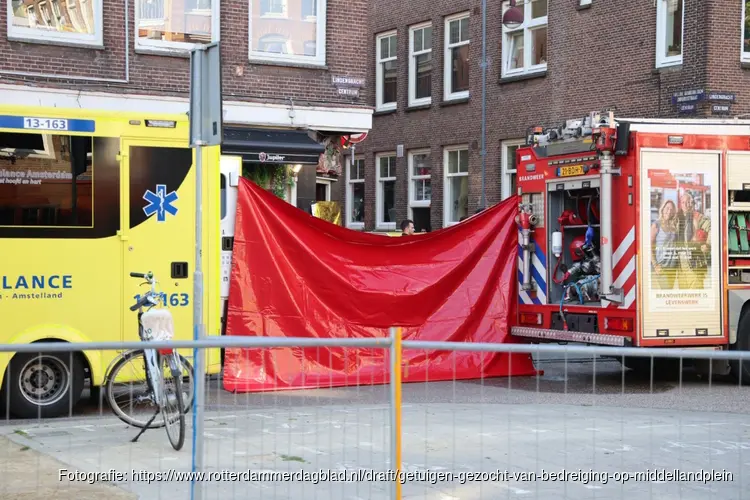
668	211
687	203
410	229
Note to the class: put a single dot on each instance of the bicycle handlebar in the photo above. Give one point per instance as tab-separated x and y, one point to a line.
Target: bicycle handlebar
147	298
147	275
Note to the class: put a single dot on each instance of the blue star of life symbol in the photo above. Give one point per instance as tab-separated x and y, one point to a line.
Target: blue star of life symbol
160	203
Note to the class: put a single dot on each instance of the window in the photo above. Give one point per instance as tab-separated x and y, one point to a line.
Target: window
525	47
385	195
456	57
386	71
52	186
508	166
66	21
669	25
420	175
355	193
420	65
456	168
322	189
273	8
282	32
163	25
746	30
309	10
274	44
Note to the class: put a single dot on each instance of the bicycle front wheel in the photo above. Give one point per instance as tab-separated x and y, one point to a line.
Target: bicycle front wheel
173	404
130	395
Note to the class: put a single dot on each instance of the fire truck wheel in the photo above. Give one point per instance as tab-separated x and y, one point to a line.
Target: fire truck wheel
741	369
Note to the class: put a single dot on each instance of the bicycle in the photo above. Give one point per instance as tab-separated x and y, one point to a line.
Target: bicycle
160	366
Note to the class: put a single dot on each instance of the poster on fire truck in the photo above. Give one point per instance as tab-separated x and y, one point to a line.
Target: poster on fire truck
680	242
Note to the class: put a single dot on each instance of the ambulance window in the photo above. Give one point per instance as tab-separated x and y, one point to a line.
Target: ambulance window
223	196
45	180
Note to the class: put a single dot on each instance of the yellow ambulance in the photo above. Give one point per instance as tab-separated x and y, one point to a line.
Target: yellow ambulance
86	198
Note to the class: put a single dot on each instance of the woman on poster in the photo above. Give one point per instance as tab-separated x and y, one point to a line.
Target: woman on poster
663	246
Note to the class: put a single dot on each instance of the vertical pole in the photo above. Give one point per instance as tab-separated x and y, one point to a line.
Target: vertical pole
483	201
198	354
396	411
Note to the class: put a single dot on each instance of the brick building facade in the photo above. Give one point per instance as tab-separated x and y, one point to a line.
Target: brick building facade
281	60
581	56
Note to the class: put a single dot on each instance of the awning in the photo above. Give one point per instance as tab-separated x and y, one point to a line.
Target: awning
271	146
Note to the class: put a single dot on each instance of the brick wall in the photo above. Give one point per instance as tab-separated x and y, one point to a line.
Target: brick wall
597	57
346	41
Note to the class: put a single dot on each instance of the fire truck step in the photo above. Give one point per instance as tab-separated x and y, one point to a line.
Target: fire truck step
741	222
734	243
568	336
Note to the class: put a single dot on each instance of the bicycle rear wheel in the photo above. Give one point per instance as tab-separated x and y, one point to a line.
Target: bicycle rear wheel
130	395
173	405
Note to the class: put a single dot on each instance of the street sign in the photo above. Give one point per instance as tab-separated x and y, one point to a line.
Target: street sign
722	96
684	96
206	112
720	109
687	108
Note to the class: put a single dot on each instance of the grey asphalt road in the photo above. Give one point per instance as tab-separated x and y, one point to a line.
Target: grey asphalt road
577	416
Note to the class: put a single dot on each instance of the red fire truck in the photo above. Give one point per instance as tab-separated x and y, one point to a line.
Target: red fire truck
634	232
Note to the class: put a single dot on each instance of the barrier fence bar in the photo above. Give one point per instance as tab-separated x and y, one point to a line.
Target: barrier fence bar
381	342
396	352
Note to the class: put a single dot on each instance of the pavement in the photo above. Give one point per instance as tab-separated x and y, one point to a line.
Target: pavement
574	419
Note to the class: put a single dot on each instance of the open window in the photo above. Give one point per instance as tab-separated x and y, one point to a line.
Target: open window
573	231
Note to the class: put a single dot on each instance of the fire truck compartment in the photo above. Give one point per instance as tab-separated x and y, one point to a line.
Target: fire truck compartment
573	210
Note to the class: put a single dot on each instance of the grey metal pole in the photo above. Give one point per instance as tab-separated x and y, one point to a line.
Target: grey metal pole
483	202
198	354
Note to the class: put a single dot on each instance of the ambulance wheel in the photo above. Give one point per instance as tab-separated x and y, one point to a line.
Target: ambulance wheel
740	370
43	384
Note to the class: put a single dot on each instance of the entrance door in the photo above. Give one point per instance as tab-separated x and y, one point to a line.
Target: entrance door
680	245
160	229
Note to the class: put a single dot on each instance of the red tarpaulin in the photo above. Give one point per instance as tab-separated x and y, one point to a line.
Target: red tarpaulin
298	276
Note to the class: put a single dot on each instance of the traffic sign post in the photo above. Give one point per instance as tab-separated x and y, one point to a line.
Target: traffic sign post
206	117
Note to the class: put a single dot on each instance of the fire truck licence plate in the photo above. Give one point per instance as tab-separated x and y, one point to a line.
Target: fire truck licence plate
571	170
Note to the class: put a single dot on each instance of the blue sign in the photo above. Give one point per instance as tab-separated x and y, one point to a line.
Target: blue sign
44	123
160	203
687	108
722	96
684	96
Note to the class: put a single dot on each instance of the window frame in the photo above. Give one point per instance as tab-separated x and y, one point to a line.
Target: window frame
526	28
505	171
413	101
447	188
744	54
35	35
161	46
379	76
291	59
414	203
350	191
379	215
328	183
277	15
663	61
448	94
